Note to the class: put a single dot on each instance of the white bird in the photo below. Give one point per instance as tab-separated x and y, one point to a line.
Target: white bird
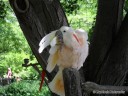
69	49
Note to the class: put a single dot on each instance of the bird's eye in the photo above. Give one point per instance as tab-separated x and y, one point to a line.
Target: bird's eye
64	31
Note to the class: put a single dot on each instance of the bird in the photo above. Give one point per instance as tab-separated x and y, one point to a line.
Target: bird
69	49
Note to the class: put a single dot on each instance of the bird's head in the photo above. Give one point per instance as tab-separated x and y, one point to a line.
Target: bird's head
63	35
67	34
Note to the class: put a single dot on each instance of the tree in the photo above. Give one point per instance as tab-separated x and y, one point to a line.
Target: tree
107	61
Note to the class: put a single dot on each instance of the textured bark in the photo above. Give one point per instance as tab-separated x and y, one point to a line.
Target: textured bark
36	19
108	21
115	68
72	82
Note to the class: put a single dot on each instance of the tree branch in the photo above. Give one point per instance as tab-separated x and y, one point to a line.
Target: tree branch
108	22
72	82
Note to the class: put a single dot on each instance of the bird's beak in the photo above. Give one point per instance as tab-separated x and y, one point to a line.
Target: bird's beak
58	39
59	36
46	41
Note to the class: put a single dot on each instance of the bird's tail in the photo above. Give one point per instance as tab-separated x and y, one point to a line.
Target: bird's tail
57	85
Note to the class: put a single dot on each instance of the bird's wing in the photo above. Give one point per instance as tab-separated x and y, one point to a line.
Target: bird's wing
83	37
46	41
83	55
52	60
53	42
57	84
54	55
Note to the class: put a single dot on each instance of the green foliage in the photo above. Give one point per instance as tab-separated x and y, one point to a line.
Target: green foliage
15	61
10	39
3	9
126	6
24	88
90	34
13	47
70	6
85	16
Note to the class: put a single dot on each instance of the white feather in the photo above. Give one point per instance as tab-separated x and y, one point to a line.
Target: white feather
47	37
52	61
84	49
56	85
46	41
53	42
50	65
41	48
82	32
53	50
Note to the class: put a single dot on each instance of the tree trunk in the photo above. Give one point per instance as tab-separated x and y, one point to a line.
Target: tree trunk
107	63
116	66
72	82
38	18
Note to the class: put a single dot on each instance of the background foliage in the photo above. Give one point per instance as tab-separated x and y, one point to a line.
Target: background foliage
24	88
3	10
13	45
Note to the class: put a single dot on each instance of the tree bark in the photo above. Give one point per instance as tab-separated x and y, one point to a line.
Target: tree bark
115	69
36	19
108	21
72	82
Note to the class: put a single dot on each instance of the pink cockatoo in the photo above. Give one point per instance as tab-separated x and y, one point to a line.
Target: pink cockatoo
69	49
